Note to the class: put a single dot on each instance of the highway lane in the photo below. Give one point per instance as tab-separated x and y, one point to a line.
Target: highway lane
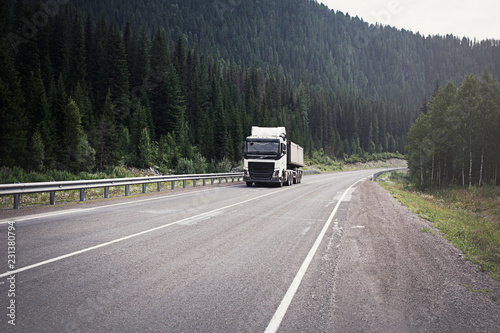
219	259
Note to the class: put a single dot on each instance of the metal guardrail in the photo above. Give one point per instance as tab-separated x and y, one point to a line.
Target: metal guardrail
376	175
24	188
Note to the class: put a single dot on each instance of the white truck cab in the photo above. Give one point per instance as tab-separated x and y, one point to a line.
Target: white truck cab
270	158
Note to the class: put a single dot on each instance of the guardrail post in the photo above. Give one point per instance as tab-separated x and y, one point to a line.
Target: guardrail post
144	188
220	180
158	186
194	182
227	179
127	190
52	197
212	181
82	194
232	179
106	192
173	184
204	182
184	183
17	199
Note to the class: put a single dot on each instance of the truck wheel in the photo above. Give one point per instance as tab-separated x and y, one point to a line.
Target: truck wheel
249	184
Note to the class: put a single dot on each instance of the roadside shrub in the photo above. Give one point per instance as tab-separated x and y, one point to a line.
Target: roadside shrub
222	166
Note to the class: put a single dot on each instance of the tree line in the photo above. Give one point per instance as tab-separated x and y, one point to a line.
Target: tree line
82	94
456	138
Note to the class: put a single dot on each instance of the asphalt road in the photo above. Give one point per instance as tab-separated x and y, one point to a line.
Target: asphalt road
220	259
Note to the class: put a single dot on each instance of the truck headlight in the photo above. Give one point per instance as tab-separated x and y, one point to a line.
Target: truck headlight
276	173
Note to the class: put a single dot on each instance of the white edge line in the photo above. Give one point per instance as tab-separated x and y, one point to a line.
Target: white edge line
275	322
129	236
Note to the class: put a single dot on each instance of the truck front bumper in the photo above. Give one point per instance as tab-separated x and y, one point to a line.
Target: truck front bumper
249	179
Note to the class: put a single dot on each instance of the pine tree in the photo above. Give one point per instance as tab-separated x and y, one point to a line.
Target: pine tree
113	73
139	65
37	152
198	98
107	150
184	144
140	121
168	105
13	120
80	156
36	100
124	147
180	56
5	19
78	63
60	47
220	122
159	57
87	111
58	101
145	149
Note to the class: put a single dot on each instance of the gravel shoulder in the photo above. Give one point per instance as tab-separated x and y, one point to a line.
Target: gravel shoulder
393	277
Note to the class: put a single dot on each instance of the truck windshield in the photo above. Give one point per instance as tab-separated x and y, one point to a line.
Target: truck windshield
263	147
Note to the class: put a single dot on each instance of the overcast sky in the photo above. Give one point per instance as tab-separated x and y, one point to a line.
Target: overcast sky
472	18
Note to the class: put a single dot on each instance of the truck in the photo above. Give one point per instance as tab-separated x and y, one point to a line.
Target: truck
269	158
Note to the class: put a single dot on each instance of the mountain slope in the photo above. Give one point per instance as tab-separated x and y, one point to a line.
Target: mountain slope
312	43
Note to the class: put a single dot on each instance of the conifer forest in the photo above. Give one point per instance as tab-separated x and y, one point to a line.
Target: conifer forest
91	85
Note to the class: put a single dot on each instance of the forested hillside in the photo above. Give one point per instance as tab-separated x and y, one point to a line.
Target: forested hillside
94	84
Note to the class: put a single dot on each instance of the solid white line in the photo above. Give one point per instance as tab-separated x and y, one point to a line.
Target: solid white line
132	236
275	322
39	216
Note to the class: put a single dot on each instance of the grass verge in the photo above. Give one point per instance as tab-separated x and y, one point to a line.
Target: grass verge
468	218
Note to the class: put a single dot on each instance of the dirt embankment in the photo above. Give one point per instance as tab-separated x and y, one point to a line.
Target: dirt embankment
390	163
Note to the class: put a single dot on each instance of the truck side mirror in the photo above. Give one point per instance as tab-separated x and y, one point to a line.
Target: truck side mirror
283	148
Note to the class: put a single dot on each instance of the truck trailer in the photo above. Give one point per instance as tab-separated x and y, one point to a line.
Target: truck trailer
270	158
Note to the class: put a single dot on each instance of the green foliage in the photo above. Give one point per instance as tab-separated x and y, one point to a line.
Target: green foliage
19	175
107	150
13	120
197	165
37	154
145	149
223	166
81	156
456	140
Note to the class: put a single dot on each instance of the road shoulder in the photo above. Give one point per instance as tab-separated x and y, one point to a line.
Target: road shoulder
393	277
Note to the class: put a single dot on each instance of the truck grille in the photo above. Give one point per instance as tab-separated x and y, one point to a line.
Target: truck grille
262	171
